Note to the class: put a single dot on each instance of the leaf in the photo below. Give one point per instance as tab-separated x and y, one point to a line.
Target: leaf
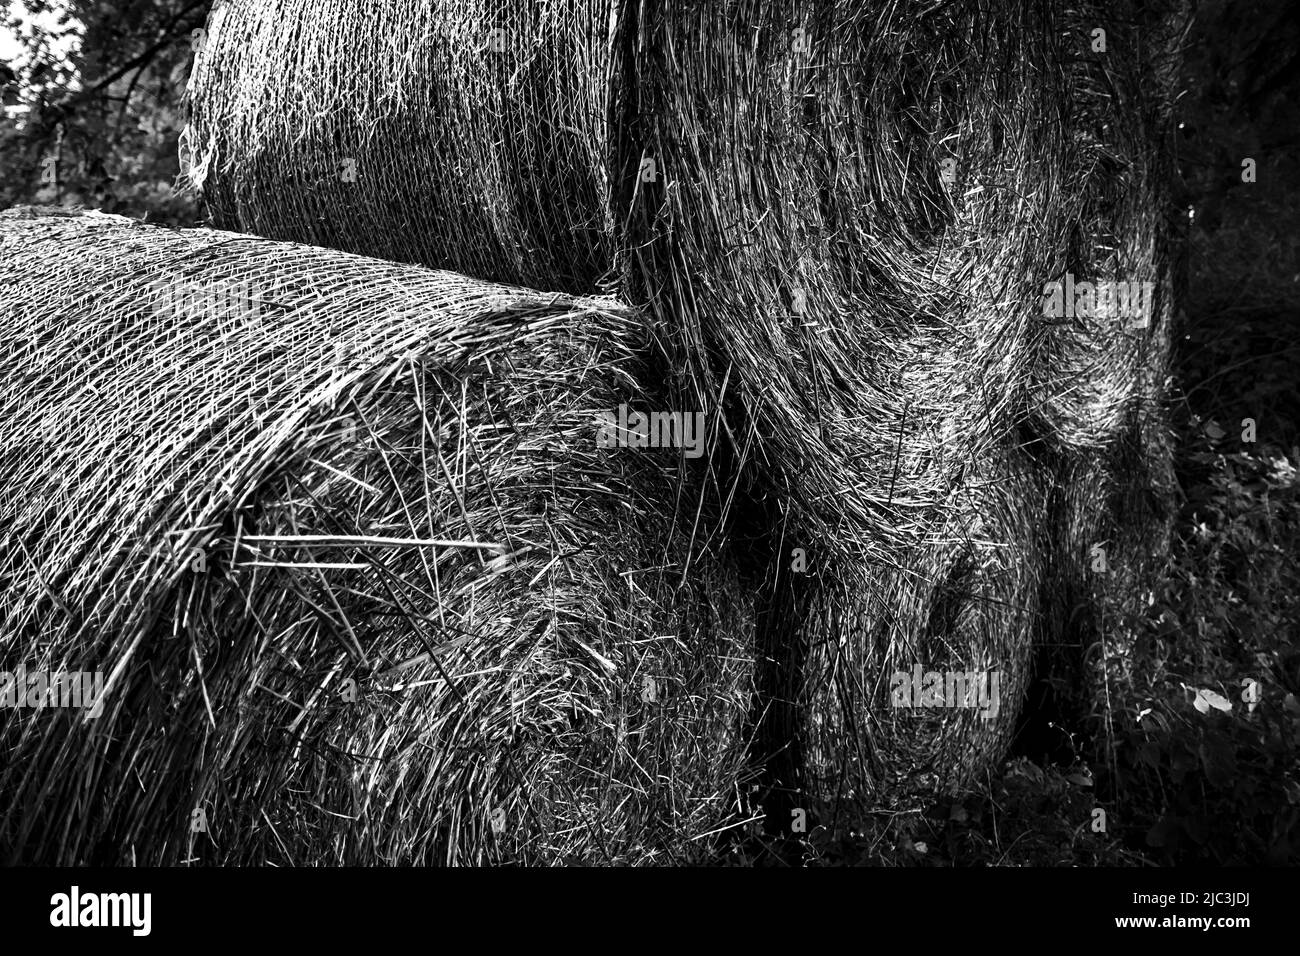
1213	429
1205	699
1080	779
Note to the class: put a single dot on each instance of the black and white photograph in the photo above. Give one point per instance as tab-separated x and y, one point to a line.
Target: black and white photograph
514	435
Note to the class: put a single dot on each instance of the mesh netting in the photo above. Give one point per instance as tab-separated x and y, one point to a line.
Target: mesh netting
363	583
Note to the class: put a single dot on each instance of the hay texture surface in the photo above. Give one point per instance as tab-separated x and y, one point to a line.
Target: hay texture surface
463	136
840	221
913	682
363	586
836	212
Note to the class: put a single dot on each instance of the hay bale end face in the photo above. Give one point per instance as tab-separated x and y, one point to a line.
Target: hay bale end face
362	583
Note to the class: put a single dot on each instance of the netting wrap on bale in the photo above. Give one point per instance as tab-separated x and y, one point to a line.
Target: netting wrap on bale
468	136
362	580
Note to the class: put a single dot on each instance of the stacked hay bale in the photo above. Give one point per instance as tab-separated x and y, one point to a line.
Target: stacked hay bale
363	584
466	136
838	221
875	348
867	208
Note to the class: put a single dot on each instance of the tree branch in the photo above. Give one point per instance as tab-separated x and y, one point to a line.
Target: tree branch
142	59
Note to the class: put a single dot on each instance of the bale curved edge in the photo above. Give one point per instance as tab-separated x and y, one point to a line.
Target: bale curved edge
362	584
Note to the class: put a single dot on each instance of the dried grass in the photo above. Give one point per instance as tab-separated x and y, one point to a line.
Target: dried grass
969	602
412	131
241	473
769	183
799	242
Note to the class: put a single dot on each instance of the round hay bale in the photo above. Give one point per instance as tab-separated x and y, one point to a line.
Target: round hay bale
362	582
465	136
